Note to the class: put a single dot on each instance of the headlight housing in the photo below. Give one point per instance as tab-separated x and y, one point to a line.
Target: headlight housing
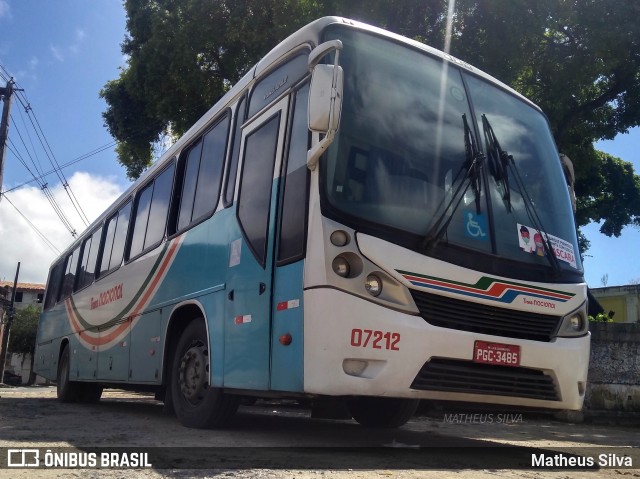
575	323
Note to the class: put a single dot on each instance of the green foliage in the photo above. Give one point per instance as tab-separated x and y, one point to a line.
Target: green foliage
578	59
601	318
23	330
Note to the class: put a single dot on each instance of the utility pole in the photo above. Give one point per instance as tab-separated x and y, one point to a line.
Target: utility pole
7	327
7	94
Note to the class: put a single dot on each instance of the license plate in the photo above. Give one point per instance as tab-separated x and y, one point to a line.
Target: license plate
496	353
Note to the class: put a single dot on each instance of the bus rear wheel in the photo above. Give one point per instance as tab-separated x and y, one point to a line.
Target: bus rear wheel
67	390
382	412
196	403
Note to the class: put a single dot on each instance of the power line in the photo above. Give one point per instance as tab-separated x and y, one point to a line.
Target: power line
45	189
39	233
46	147
80	158
49	153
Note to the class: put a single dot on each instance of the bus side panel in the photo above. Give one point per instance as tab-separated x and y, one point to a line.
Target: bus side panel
43	363
52	327
287	361
146	347
84	360
214	306
113	359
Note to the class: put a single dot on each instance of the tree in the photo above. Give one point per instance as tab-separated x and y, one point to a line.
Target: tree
23	334
578	59
183	56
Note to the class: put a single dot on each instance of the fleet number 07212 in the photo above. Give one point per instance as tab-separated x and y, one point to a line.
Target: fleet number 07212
375	339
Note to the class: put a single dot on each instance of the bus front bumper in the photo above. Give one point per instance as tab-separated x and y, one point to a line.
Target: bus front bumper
356	347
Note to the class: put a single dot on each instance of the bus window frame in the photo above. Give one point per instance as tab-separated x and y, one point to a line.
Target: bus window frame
82	245
236	133
49	303
179	177
305	81
136	197
114	212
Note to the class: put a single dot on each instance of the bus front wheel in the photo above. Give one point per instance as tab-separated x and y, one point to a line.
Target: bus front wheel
382	412
196	403
67	390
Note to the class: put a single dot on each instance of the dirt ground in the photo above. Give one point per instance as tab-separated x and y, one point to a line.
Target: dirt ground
261	438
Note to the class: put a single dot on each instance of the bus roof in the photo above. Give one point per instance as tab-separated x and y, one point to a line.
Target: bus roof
310	34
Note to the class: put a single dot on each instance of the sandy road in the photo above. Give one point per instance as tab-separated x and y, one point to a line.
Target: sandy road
259	442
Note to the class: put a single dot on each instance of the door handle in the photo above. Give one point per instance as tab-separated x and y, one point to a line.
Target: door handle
262	288
230	295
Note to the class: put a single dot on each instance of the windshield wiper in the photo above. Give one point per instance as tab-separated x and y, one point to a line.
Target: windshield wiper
472	178
500	162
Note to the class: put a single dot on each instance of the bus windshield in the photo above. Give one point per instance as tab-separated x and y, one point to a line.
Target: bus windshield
400	156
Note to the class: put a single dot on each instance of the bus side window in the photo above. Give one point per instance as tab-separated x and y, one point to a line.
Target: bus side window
141	218
150	218
115	238
254	200
88	257
189	185
296	185
232	169
53	285
210	174
203	175
69	279
159	208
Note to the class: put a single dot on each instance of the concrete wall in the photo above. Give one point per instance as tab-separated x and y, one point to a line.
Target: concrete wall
614	367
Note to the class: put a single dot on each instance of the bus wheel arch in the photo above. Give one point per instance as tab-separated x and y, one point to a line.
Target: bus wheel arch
187	344
180	318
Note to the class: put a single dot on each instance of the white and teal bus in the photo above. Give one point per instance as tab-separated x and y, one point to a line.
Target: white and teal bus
361	217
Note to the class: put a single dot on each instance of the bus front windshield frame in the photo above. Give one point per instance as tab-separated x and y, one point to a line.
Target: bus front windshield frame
402	154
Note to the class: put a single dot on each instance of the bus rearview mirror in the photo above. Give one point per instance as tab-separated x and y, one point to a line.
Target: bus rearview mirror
325	98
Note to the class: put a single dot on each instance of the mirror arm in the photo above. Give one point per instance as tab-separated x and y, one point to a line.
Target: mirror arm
314	154
321	50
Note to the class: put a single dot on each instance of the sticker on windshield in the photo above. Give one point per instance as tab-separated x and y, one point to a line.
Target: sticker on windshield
475	226
531	241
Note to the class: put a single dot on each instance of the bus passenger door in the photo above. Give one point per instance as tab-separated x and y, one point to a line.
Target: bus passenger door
248	315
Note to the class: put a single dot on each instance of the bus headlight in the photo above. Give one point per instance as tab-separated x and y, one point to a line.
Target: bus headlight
341	266
577	322
373	285
574	323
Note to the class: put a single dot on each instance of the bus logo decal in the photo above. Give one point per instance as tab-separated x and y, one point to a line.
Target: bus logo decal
107	297
115	329
486	288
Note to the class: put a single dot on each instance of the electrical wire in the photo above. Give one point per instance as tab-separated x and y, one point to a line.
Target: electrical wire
44	188
38	232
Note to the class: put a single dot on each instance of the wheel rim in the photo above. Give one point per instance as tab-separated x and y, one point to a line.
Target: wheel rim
193	375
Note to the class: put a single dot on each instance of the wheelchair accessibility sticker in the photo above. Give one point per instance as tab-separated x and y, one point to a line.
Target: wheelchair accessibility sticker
475	226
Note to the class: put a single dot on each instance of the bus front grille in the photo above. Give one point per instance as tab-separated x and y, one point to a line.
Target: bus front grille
452	375
480	318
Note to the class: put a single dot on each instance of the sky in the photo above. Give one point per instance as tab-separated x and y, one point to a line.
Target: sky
62	53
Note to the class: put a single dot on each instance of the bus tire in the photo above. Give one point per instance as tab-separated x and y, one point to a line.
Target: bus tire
196	404
382	412
67	390
90	393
